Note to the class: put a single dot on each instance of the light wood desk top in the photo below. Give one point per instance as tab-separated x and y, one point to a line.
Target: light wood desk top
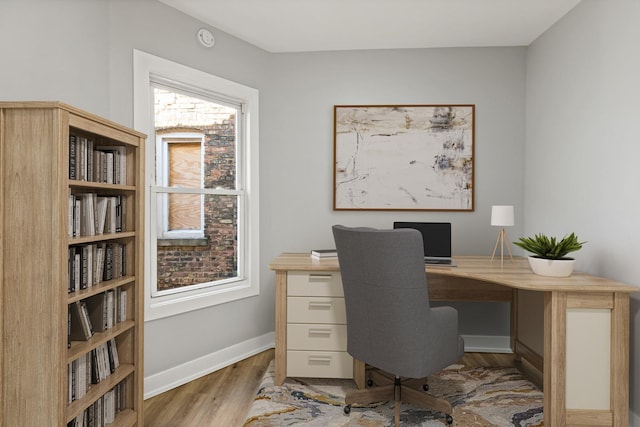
516	274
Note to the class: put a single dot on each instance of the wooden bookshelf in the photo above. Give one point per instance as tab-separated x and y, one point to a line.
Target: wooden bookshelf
35	242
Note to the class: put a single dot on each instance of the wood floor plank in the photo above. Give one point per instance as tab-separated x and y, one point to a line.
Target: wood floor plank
223	398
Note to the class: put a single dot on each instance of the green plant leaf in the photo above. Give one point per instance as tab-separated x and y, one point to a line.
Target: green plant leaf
549	247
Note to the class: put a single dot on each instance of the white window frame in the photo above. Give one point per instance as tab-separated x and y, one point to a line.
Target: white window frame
162	177
146	68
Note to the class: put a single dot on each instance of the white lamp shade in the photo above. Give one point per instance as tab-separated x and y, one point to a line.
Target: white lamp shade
502	215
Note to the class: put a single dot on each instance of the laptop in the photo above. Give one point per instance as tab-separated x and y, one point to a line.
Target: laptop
436	238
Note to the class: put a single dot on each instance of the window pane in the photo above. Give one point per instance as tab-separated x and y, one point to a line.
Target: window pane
220	151
196	149
211	259
175	112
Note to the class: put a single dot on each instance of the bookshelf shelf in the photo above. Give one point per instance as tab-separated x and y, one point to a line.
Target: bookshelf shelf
68	180
104	286
99	186
102	237
79	347
126	418
97	391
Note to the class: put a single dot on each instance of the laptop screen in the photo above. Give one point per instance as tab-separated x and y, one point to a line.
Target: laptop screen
436	236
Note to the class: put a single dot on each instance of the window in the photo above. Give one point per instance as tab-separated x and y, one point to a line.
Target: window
179	164
202	186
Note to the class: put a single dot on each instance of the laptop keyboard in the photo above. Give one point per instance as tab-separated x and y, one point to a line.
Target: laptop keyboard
437	261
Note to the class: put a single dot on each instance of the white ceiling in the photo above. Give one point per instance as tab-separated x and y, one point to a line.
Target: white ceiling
318	25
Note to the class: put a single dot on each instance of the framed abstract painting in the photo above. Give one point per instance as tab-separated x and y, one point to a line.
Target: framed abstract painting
404	157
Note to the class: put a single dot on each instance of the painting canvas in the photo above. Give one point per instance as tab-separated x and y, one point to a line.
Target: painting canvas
397	157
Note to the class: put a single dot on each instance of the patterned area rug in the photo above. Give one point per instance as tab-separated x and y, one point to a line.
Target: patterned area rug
479	396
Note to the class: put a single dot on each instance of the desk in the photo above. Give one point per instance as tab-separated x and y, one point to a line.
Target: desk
585	361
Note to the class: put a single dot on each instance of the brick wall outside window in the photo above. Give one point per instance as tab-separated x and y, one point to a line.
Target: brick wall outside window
214	257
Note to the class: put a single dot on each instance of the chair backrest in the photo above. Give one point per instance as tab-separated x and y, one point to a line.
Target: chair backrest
386	295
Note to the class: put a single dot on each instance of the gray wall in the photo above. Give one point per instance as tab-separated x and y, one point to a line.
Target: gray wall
55	51
297	125
80	52
154	28
575	87
582	150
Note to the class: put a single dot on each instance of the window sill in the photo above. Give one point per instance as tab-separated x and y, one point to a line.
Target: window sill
159	307
183	242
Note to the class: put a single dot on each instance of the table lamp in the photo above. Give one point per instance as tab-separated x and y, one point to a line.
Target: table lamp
502	216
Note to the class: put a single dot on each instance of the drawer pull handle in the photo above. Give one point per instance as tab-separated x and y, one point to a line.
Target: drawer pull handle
318	305
320	360
318	277
319	332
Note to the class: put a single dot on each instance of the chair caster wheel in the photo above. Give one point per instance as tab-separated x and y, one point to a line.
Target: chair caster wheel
449	419
347	409
425	387
370	383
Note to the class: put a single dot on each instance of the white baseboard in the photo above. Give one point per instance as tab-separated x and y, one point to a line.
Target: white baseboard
487	344
189	371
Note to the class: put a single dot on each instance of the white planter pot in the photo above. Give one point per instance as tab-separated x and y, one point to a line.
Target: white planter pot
552	267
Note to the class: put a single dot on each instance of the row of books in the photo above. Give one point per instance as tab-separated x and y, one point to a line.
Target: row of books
97	313
88	162
91	264
104	410
91	214
92	368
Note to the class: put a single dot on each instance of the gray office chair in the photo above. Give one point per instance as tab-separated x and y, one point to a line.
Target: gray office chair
390	323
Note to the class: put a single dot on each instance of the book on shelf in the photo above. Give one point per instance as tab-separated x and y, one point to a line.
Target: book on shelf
121	305
104	410
79	377
116	163
92	368
91	162
80	328
91	214
104	309
105	361
72	156
112	351
102	205
324	253
89	265
98	312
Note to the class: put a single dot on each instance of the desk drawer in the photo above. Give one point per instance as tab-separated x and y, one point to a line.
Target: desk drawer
304	283
319	364
316	337
316	310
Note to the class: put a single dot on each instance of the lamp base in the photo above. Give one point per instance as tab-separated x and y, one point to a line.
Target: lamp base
502	239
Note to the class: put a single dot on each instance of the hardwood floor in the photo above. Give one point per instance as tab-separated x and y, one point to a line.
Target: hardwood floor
221	398
224	397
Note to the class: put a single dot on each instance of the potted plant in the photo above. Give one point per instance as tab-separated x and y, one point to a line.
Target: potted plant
550	254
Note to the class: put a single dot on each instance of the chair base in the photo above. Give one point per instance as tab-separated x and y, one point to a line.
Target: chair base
408	391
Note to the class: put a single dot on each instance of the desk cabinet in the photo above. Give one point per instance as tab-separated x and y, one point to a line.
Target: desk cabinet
316	330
